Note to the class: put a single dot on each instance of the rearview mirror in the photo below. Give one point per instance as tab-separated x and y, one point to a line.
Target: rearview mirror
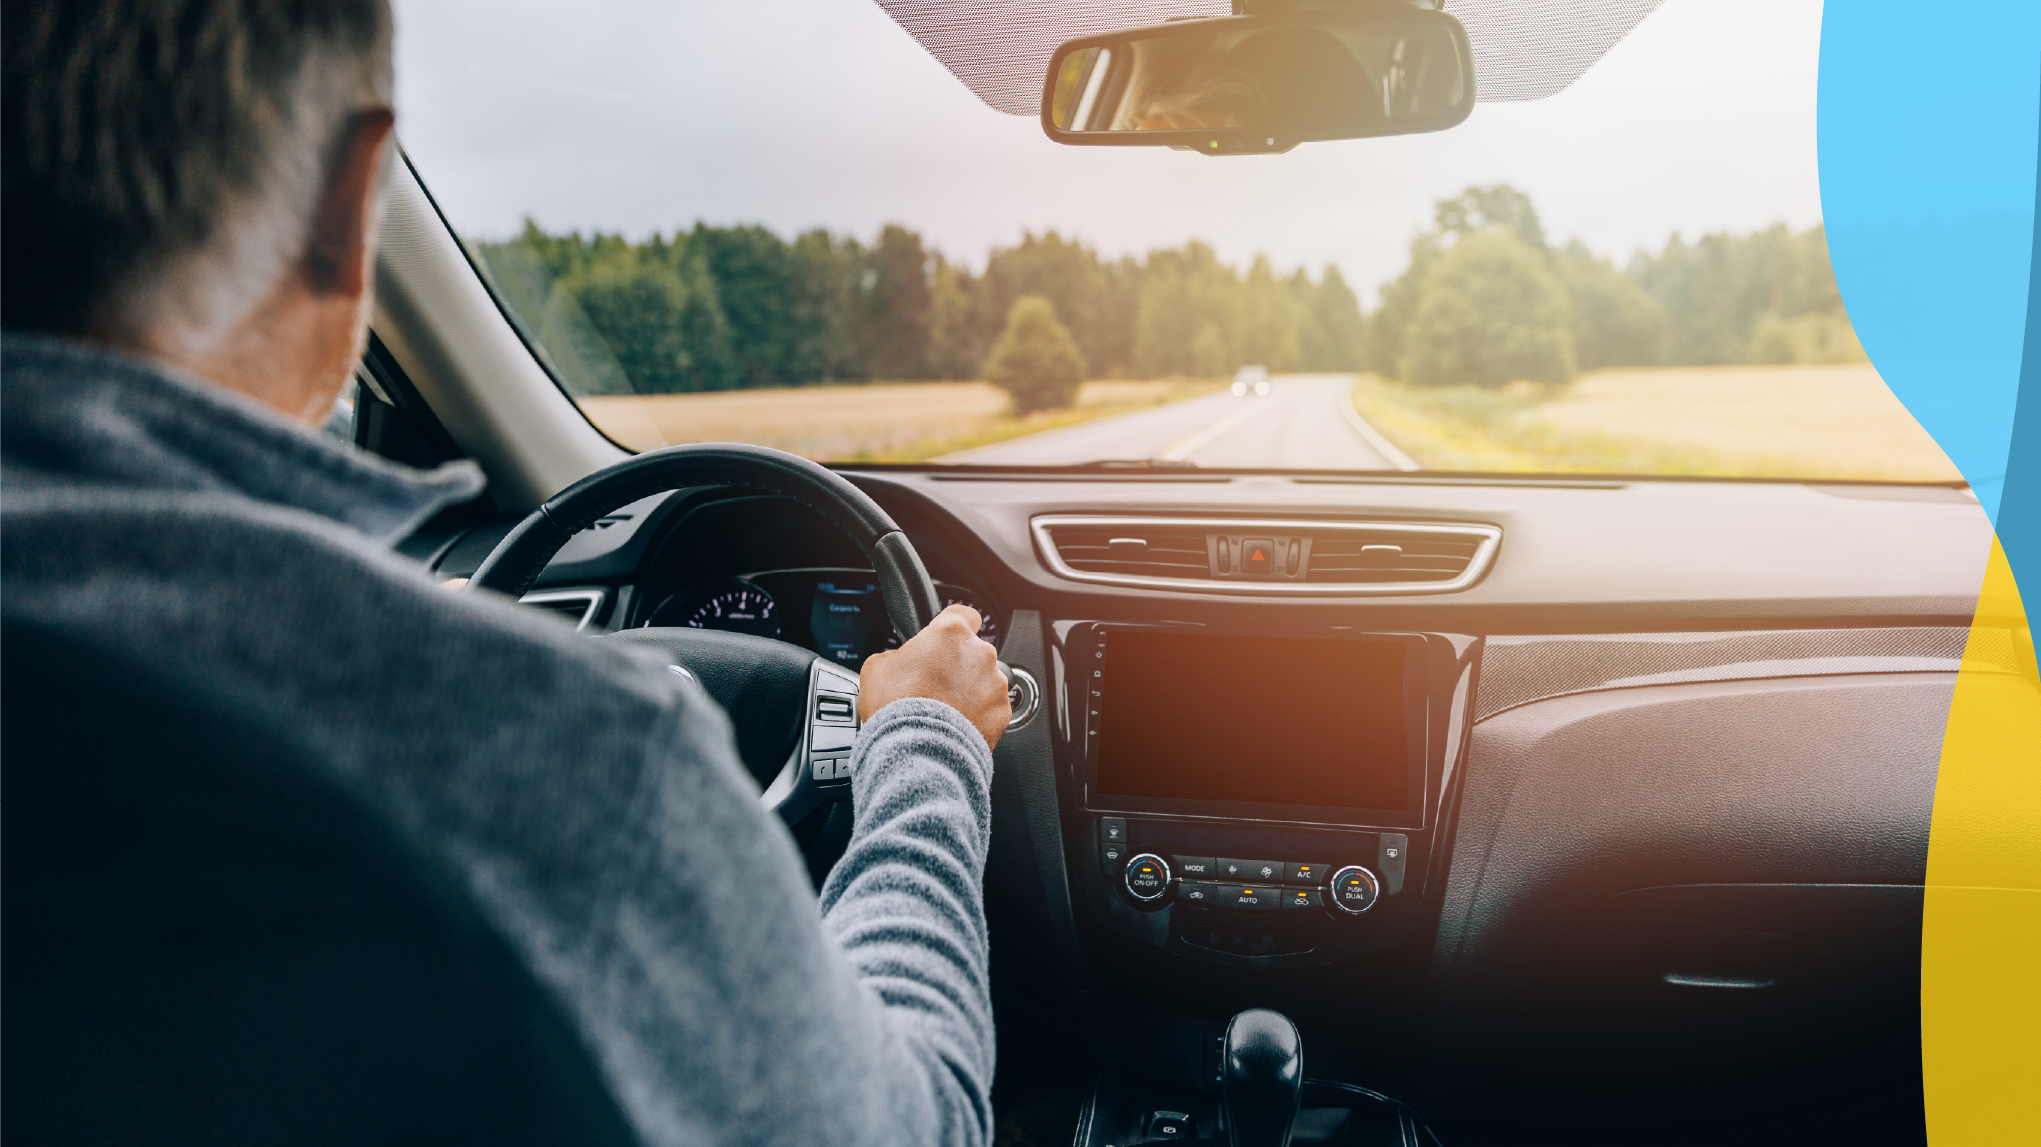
1241	85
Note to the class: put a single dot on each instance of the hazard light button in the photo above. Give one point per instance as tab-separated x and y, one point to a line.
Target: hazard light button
1257	555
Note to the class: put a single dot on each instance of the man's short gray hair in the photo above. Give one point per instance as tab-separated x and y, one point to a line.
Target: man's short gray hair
164	159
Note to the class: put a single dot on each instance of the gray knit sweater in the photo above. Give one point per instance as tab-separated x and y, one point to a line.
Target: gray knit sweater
594	803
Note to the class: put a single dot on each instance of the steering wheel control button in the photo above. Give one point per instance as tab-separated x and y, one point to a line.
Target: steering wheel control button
835	709
823	738
1249	897
1197	891
1111	855
1395	850
1355	889
1306	872
1112	828
1256	871
1301	898
1194	867
1257	555
1147	877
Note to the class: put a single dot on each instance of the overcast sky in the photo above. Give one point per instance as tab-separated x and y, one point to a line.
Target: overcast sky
644	115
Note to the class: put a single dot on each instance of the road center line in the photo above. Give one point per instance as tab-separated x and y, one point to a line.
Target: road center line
1183	448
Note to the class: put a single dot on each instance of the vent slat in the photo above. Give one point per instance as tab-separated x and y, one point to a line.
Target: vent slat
1337	557
1170	554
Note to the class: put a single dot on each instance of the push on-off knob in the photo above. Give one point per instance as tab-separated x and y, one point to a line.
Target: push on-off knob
1354	889
1147	877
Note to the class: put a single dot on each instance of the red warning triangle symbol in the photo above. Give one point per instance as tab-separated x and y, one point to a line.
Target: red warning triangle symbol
1257	556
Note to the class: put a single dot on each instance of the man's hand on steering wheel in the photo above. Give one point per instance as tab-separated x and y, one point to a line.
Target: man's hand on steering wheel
945	662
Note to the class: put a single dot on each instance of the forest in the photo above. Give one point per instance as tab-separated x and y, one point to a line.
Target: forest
1486	299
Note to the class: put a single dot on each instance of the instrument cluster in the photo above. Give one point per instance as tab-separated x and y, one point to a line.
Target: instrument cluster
838	613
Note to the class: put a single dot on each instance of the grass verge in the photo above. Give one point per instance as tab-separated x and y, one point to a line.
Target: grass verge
1745	421
879	422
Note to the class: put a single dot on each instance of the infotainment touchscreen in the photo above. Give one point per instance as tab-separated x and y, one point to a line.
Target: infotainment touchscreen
1266	720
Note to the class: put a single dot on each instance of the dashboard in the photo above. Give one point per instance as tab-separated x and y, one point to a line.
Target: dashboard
1641	789
835	612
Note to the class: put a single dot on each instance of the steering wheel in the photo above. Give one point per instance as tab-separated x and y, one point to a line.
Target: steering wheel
795	712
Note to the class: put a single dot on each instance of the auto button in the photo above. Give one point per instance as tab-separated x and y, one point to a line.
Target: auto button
1248	897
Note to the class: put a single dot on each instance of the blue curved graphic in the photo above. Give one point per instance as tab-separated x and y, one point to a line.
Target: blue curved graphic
1928	123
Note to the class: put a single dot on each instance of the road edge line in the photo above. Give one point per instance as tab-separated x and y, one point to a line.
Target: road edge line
1373	437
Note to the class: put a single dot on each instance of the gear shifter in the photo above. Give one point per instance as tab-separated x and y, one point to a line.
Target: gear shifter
1262	1074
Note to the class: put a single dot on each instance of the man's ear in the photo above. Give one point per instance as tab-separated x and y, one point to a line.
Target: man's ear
337	259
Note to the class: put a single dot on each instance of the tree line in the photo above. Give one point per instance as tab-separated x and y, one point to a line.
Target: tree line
1485	299
719	308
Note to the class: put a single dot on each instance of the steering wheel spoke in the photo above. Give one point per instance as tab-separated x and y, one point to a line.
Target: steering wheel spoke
817	772
794	713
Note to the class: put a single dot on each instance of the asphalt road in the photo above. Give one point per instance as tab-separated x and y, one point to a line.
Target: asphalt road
1306	422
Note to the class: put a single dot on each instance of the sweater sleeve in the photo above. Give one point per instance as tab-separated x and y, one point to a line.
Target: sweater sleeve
906	901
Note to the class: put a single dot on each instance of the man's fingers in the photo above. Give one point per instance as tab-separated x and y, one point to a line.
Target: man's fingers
963	615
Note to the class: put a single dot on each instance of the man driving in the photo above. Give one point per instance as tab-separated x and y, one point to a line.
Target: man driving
191	195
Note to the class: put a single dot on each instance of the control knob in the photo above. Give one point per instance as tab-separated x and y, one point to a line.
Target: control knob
1354	889
1147	877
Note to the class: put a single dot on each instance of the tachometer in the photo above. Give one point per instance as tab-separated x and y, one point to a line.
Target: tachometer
733	607
988	626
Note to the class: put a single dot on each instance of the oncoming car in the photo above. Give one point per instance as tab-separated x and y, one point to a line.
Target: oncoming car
1519	723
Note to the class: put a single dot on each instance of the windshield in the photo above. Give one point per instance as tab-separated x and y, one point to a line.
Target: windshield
786	223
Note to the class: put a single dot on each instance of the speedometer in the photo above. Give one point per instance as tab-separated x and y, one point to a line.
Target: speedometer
733	607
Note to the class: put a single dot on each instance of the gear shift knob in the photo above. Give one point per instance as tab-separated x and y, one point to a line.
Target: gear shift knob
1262	1074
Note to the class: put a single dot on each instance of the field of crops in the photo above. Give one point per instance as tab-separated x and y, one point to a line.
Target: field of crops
1829	421
883	422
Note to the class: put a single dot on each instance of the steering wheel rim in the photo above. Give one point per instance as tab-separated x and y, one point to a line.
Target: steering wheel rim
792	710
904	584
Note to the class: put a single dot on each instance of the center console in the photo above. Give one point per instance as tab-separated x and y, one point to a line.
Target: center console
1258	797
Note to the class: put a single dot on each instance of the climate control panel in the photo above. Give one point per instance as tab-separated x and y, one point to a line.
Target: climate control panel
1340	884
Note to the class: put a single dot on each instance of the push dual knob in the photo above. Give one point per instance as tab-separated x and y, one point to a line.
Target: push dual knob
1147	877
1354	890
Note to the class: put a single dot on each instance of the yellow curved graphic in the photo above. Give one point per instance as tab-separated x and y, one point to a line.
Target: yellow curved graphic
1981	927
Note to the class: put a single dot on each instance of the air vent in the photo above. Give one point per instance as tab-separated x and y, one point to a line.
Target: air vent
1249	556
1374	556
1140	551
578	606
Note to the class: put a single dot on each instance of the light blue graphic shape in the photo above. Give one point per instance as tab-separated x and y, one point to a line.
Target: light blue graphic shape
1927	123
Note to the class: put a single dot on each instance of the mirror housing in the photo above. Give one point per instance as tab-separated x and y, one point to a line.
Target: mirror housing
1260	84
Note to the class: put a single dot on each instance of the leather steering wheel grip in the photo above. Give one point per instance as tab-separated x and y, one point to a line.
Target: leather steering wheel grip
909	593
